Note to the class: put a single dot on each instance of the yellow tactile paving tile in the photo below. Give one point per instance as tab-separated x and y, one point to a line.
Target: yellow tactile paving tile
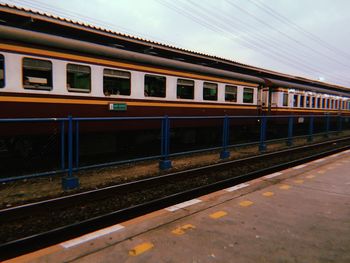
299	181
218	214
268	194
139	249
182	229
246	203
310	176
284	187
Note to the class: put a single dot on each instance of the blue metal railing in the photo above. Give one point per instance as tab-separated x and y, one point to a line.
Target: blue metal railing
70	139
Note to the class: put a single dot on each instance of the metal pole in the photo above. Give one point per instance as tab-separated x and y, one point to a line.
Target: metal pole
76	144
311	129
165	163
262	145
62	146
290	131
225	135
70	181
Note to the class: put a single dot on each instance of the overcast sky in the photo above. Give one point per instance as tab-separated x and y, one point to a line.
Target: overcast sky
309	38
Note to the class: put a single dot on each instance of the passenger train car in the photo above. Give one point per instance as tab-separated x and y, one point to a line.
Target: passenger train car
55	67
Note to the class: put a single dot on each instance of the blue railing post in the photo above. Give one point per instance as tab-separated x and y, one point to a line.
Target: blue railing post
262	145
340	123
225	136
165	163
327	125
290	130
62	146
77	144
311	129
70	182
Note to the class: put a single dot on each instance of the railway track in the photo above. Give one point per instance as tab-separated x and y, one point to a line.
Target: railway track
33	226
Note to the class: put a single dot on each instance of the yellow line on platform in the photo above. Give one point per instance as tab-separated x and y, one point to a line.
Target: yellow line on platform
139	249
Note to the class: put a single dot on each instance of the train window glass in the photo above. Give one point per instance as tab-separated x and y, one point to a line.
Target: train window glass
185	89
307	101
313	100
116	82
155	86
2	71
336	106
302	101
210	91
285	99
230	93
248	95
327	104
37	74
323	103
78	78
332	101
295	101
318	103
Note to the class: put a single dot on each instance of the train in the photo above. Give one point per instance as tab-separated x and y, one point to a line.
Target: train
52	67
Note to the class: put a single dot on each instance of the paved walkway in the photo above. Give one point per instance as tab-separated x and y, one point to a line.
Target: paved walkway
298	215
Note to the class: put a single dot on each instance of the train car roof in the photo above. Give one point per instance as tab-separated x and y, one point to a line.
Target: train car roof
29	19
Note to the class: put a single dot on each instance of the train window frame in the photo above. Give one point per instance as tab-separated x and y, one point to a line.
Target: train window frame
37	69
245	89
302	101
2	71
78	66
295	100
209	86
119	76
285	99
233	92
185	85
152	92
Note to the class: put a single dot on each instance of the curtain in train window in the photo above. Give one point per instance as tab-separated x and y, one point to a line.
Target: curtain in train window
185	89
116	82
78	78
231	93
37	74
210	91
155	86
2	71
248	95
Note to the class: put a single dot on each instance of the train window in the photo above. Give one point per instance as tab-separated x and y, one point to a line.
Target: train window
116	82
155	86
327	104
313	100
307	101
2	71
318	105
210	91
302	101
78	78
248	95
295	101
185	89
331	104
230	93
336	106
285	99
37	74
323	103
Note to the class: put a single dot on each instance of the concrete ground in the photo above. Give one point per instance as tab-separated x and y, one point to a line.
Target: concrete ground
297	215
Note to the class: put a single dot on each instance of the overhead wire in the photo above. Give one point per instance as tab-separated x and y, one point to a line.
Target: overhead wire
189	13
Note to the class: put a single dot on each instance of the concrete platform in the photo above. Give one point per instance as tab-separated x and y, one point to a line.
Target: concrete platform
297	215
